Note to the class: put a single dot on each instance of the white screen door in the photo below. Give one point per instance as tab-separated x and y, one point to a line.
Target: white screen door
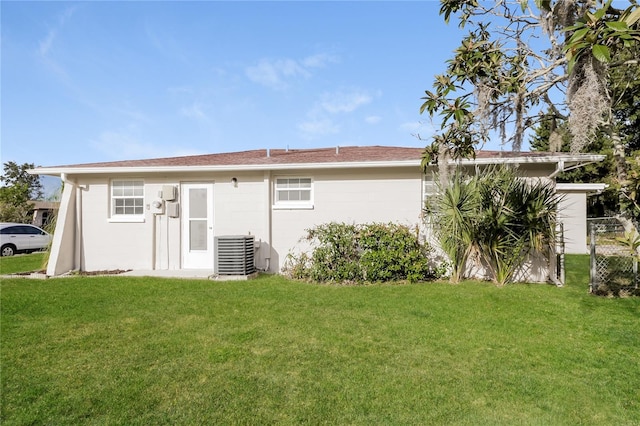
197	225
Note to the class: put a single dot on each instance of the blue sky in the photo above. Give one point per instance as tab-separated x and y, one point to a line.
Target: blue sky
102	81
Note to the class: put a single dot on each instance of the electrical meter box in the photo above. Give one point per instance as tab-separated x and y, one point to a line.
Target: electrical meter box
173	209
169	192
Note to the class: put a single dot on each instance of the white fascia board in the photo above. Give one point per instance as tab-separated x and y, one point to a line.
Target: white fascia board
577	158
57	171
581	187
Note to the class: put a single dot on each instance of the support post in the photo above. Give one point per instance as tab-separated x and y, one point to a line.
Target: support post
593	269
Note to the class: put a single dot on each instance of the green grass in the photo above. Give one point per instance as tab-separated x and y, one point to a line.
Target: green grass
22	263
138	351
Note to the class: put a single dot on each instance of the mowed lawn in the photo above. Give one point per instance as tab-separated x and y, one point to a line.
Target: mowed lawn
22	263
139	351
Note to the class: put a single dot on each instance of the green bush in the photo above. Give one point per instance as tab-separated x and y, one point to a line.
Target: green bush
373	252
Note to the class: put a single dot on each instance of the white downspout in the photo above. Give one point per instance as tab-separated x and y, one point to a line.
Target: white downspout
559	169
269	219
78	252
553	258
154	245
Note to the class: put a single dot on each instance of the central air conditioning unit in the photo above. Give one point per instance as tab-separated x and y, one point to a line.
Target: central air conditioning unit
234	255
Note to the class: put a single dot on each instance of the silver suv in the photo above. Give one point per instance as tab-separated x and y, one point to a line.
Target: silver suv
20	237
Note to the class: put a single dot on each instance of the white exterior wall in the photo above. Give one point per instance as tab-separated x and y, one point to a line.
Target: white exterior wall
63	255
360	195
243	210
572	213
155	243
350	196
109	245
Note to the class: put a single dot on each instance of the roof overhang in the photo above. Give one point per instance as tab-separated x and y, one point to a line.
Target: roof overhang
577	159
57	171
574	159
589	188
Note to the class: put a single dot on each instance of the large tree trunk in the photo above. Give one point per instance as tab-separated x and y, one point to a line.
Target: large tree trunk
624	216
621	169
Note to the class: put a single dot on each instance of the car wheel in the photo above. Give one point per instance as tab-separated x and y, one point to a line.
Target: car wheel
8	250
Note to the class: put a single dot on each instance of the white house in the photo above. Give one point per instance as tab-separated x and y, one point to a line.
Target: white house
43	211
163	214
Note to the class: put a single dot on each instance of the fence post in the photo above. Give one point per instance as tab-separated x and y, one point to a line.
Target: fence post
593	272
560	255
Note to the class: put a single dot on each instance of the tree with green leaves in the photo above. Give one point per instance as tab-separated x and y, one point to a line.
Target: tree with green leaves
18	189
553	135
522	63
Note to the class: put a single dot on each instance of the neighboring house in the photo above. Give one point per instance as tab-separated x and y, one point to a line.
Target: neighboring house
43	212
164	213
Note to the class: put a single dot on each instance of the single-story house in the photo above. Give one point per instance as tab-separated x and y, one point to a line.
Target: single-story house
43	212
165	214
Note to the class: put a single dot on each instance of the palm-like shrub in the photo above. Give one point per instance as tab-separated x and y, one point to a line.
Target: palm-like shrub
503	216
455	219
517	220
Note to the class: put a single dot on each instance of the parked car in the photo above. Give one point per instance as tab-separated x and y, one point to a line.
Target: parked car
22	238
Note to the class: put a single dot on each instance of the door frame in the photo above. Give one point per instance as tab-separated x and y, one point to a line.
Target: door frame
197	259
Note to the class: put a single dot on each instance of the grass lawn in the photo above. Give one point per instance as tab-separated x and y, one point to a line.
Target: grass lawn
138	351
22	263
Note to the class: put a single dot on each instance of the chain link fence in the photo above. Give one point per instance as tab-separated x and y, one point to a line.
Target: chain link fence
614	258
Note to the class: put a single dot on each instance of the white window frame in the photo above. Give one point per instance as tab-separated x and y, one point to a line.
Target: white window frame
280	187
126	189
429	186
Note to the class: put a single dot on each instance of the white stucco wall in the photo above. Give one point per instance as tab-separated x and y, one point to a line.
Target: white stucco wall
63	255
155	242
351	196
243	209
357	195
109	245
572	213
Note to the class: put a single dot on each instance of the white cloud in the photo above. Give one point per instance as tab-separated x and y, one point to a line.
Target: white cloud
165	43
180	90
313	128
277	73
319	60
46	44
344	102
194	111
410	126
372	119
123	145
320	117
418	128
131	112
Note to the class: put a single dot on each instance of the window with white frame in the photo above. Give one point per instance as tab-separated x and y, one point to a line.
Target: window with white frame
429	192
127	198
293	192
429	186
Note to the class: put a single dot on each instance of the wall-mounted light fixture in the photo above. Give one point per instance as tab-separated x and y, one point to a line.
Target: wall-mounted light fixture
234	182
